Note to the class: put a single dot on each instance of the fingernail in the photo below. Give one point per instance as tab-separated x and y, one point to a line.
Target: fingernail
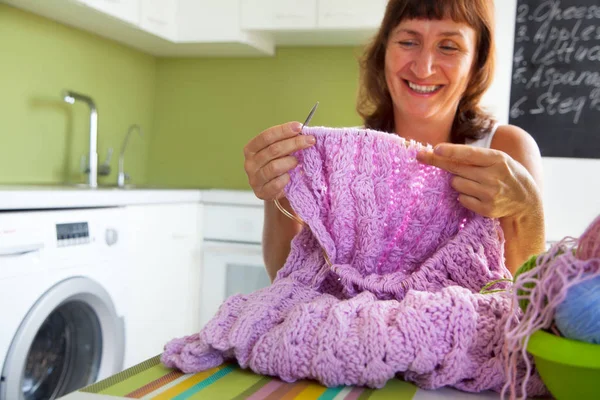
439	150
311	140
296	127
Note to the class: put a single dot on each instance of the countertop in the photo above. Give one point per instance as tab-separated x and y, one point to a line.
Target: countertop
232	197
36	197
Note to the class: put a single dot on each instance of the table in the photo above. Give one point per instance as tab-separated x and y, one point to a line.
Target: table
152	380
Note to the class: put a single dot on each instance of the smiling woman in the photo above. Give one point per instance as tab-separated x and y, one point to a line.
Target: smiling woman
422	78
443	43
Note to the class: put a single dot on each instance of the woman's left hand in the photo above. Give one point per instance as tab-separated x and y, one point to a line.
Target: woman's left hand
489	182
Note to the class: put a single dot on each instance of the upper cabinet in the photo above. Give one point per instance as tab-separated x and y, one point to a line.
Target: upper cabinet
125	10
213	28
283	15
350	14
216	28
158	17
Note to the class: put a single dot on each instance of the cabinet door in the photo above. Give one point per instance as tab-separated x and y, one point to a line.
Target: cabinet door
208	21
229	268
164	274
126	10
350	14
279	14
159	17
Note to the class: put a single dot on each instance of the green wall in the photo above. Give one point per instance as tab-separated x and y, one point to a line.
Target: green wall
41	137
197	113
208	109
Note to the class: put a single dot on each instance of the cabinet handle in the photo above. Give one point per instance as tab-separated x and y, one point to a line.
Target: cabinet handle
156	21
178	236
331	14
288	16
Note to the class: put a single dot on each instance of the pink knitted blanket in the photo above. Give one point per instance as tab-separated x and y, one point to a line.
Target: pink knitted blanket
383	281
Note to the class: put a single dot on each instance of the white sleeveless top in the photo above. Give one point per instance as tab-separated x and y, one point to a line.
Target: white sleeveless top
486	141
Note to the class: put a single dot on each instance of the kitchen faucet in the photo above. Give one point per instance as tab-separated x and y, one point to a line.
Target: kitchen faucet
70	97
121	176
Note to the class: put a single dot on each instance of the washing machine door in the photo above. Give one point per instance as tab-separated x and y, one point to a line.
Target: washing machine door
70	338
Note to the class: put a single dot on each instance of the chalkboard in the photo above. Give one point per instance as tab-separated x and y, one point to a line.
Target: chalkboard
555	91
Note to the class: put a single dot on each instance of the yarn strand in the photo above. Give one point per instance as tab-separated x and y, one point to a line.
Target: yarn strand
545	287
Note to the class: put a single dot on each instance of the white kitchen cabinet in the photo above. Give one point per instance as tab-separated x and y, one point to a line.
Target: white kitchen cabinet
159	17
206	20
192	28
213	28
165	273
232	249
125	10
281	15
350	14
200	27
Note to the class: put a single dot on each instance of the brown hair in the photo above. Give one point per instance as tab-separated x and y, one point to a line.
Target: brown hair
374	101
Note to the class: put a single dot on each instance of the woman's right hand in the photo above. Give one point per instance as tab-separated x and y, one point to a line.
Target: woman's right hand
268	158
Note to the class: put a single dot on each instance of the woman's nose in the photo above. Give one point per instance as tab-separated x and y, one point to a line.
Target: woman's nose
423	64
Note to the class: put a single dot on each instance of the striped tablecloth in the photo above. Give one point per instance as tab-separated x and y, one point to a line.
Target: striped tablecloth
151	380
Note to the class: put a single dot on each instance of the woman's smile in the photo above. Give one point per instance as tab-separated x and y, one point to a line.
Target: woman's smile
422	90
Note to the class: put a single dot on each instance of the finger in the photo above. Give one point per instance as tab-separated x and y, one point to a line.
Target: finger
473	204
474	173
272	135
277	168
283	148
465	154
274	188
468	187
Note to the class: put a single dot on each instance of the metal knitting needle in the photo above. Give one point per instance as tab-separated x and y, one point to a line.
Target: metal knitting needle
310	115
277	203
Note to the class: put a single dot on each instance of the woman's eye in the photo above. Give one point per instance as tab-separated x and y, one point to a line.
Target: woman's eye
448	47
406	43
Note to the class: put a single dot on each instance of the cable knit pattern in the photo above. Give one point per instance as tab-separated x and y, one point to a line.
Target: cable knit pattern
401	293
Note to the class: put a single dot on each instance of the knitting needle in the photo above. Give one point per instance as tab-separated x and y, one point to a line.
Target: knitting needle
310	115
279	206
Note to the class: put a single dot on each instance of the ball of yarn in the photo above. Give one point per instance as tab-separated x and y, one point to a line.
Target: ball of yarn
578	316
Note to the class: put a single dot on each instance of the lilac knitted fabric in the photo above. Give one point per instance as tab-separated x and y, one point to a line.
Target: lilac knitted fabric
401	293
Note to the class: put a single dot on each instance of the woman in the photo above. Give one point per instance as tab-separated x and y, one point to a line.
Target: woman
422	78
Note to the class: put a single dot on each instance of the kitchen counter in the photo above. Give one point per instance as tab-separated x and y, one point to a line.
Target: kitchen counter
35	197
231	197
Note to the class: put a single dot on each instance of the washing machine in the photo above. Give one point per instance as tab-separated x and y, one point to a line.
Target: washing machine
63	300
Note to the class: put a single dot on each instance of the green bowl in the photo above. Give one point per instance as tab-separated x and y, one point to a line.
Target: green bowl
569	368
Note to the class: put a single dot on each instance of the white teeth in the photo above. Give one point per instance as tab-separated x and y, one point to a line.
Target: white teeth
422	89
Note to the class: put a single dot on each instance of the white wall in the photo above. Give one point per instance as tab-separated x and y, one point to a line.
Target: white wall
572	186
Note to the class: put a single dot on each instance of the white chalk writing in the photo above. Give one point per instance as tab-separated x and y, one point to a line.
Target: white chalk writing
557	59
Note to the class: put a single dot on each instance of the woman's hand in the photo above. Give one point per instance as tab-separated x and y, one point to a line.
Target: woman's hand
502	183
489	182
268	159
267	164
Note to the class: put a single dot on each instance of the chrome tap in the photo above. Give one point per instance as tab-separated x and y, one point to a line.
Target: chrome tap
122	175
70	97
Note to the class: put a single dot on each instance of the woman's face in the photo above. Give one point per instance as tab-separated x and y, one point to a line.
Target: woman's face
428	66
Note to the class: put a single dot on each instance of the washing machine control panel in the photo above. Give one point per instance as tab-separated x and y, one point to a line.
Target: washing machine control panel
72	234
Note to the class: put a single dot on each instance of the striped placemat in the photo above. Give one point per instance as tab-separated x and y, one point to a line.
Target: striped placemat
151	380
